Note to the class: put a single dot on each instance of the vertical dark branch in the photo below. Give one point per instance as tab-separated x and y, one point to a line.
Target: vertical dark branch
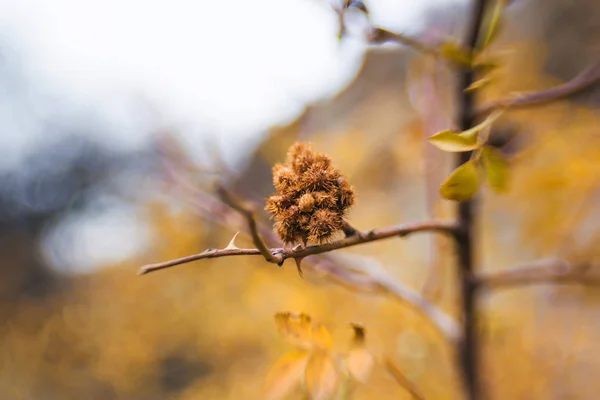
466	220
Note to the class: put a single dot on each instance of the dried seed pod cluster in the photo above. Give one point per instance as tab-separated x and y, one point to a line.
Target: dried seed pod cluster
312	197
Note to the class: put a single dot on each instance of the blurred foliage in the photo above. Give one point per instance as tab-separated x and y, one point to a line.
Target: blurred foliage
205	330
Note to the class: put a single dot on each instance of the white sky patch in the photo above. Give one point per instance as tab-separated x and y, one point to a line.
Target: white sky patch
220	69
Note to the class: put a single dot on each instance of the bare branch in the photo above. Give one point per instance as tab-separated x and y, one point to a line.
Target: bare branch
249	215
208	253
279	255
585	79
552	270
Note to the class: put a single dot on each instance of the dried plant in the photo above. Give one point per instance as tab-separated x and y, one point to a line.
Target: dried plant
312	197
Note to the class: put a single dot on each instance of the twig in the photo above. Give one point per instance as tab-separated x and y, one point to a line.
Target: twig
280	254
552	270
585	79
348	229
402	380
258	241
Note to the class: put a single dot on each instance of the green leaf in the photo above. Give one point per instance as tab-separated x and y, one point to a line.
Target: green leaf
455	142
496	169
462	184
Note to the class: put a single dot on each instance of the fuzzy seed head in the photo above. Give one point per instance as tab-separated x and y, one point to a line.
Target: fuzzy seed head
312	196
306	202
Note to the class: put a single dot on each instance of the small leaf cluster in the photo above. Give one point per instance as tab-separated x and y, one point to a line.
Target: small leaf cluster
463	182
312	197
312	366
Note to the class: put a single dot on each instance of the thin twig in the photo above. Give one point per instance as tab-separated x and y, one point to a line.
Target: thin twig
280	254
258	241
552	270
585	79
402	380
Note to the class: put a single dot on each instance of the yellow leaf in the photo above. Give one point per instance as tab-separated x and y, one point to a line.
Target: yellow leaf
300	331
455	142
321	377
496	169
457	53
360	362
285	374
462	183
463	141
492	24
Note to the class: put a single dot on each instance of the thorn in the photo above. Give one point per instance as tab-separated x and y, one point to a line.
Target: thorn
299	266
298	247
231	245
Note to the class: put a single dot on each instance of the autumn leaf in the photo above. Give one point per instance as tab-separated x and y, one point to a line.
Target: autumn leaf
462	183
300	331
285	374
453	51
463	141
496	169
321	376
455	142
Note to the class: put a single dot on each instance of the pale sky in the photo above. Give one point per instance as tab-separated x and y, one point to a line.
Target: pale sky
220	69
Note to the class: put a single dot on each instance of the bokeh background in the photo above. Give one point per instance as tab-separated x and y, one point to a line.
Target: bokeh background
118	117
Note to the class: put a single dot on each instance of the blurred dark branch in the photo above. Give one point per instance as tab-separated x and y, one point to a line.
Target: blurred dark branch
278	255
584	80
552	270
468	349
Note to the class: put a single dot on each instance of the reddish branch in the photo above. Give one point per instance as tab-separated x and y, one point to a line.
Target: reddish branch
552	270
584	80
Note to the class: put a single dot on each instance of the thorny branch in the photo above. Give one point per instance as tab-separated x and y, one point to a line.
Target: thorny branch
278	255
